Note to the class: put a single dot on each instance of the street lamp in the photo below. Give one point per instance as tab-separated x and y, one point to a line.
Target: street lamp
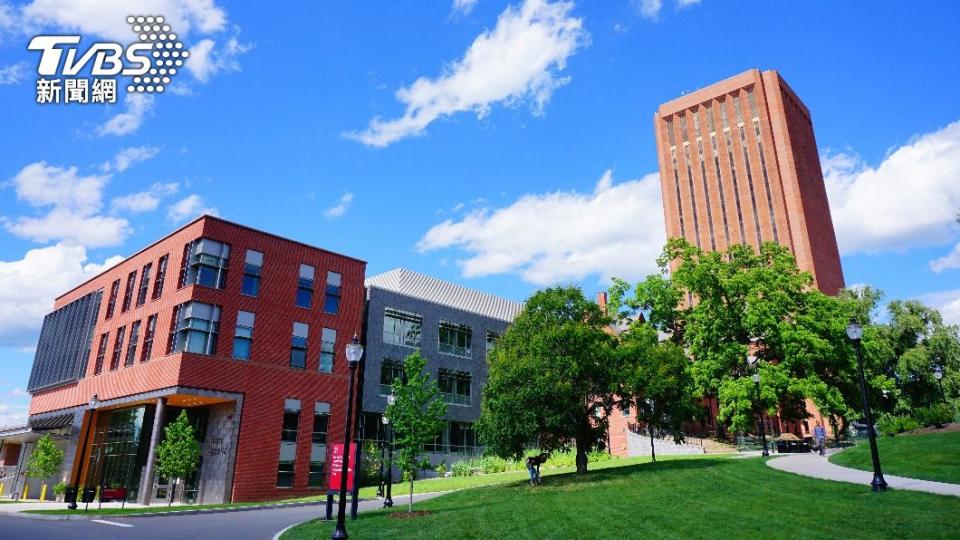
938	375
855	333
763	432
388	501
354	353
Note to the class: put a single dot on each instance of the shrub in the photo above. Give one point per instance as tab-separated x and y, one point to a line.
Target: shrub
935	415
891	425
441	468
60	489
461	468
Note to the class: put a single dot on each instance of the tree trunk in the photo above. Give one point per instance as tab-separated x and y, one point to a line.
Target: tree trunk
173	491
410	506
653	453
581	455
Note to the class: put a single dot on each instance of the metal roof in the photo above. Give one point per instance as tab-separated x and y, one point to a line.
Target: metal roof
431	289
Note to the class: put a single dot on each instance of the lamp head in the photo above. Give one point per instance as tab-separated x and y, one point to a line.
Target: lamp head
755	378
94	401
385	419
354	351
391	399
854	330
938	373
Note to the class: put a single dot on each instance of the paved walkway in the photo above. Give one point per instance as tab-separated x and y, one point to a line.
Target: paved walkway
811	464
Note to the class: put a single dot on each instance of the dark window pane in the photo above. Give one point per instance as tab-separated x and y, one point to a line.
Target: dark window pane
251	285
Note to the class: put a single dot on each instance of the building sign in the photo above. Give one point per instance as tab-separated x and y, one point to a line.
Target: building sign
216	446
150	62
336	468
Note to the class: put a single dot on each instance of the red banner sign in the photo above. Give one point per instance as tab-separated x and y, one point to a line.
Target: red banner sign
336	467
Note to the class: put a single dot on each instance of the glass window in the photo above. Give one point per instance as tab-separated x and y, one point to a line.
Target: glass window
331	302
128	292
401	328
305	286
101	354
321	419
205	263
161	276
454	386
144	284
117	349
316	474
455	339
291	420
251	273
112	303
148	338
390	370
463	439
285	474
492	338
194	328
298	346
243	335
328	344
132	346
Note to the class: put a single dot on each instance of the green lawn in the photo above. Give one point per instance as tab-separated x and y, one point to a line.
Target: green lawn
420	486
681	498
934	456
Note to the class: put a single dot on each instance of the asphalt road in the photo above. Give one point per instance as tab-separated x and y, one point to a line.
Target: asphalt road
246	525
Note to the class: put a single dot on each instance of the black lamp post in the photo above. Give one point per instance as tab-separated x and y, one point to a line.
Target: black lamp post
855	333
354	353
388	501
938	375
763	432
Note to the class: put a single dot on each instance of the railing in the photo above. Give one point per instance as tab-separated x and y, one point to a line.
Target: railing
662	434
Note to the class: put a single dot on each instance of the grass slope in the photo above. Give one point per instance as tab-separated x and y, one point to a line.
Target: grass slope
933	456
681	498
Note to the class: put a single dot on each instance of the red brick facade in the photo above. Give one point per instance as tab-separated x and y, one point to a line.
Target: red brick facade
266	379
739	165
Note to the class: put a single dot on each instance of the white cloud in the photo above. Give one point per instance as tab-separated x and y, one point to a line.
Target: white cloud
107	18
144	201
950	261
75	201
946	302
138	106
205	60
28	287
189	207
14	73
909	200
130	156
649	9
12	415
463	7
687	3
546	238
17	392
518	61
339	209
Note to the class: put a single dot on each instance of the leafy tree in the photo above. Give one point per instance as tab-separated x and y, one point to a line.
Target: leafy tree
416	416
656	380
550	379
178	456
45	461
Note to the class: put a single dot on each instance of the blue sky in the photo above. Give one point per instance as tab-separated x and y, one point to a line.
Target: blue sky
502	145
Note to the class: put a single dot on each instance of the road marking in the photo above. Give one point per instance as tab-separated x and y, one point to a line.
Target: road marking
114	523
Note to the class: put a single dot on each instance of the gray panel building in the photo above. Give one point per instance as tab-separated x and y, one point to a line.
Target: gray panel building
453	327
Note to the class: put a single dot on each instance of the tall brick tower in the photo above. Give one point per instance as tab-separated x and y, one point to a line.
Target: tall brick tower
739	165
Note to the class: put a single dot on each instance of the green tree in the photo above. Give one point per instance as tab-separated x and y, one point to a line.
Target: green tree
45	461
550	379
657	382
178	456
416	416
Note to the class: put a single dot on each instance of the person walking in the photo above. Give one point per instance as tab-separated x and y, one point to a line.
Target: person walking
820	438
533	467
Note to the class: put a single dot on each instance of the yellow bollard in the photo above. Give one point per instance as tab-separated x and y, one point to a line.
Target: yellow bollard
26	489
1	490
96	495
43	493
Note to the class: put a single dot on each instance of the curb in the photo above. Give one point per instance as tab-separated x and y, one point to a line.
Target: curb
87	516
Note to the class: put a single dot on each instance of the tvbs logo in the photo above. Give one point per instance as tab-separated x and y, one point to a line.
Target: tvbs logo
151	62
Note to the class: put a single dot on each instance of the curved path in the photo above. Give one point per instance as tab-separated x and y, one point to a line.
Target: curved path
815	466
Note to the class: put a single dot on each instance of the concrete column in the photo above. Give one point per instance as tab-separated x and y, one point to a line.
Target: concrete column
146	482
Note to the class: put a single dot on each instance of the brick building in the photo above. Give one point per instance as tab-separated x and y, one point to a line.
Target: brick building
739	165
243	330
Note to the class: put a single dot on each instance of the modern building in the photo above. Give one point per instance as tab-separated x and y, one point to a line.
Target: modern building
453	327
243	330
739	165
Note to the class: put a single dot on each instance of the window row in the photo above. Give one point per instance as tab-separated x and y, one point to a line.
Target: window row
128	355
455	385
455	438
289	432
131	288
406	330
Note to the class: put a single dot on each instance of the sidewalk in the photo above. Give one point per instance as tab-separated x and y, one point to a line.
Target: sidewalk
17	507
814	466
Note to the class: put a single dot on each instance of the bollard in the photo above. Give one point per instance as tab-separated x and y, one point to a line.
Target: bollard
43	493
26	489
1	489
